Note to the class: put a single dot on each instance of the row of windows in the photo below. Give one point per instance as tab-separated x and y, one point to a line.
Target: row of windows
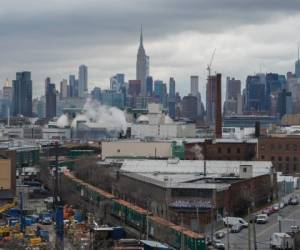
280	158
280	147
238	150
286	168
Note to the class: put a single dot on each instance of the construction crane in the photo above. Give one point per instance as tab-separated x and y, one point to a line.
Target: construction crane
210	63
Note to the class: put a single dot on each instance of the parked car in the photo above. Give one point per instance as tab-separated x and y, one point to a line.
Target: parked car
268	211
217	244
275	207
219	235
236	228
261	219
230	221
282	205
294	201
281	241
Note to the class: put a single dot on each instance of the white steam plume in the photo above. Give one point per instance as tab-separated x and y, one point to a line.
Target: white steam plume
101	116
62	121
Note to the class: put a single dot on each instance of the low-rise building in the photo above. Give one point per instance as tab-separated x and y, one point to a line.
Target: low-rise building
283	151
136	149
191	192
220	149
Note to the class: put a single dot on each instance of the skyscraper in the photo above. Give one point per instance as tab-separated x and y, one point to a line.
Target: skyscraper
22	94
82	80
64	88
255	93
142	65
297	65
172	93
117	82
50	101
233	97
195	92
194	85
72	85
149	85
211	98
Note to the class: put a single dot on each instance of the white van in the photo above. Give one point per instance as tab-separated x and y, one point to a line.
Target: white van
281	241
230	221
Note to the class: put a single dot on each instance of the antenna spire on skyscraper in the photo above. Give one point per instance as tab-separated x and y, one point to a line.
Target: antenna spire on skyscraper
141	36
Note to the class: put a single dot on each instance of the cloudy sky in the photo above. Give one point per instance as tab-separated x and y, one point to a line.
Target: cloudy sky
52	38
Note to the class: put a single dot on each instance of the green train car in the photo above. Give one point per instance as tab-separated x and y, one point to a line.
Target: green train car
138	218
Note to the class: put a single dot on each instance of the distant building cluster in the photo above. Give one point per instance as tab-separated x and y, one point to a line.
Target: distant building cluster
266	97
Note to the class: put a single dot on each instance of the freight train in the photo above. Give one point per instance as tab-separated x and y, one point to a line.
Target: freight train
156	227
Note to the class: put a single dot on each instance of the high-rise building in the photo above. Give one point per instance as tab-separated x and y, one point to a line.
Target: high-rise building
297	66
112	98
142	66
47	81
284	103
211	98
232	104
64	88
50	101
255	92
117	82
274	84
172	96
194	85
7	91
195	92
233	88
72	80
96	94
22	94
149	85
134	87
189	107
82	80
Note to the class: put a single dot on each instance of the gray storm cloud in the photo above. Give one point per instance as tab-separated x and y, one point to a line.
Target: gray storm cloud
51	38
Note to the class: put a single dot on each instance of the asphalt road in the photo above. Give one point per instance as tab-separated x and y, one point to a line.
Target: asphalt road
239	241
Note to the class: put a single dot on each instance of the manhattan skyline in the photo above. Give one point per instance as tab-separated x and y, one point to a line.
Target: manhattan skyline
178	40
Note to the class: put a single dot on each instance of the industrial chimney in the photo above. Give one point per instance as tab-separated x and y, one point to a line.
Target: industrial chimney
218	108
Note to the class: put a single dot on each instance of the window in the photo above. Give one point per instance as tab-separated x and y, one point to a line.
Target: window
279	158
272	146
295	147
287	146
279	146
295	158
228	150
272	158
118	150
219	150
295	167
287	158
262	157
238	150
279	167
245	170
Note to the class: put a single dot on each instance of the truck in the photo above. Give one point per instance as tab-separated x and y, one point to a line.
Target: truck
230	221
281	241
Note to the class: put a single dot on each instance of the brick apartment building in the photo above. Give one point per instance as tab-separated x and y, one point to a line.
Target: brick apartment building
221	149
284	152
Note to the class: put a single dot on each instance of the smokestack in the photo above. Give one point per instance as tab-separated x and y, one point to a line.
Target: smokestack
257	129
218	108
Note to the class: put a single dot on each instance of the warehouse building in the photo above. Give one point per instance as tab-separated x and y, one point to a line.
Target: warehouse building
196	193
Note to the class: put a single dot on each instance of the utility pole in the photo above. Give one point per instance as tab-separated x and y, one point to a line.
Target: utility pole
59	214
249	229
228	242
254	237
213	213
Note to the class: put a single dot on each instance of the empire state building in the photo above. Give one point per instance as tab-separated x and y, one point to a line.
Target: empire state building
142	65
